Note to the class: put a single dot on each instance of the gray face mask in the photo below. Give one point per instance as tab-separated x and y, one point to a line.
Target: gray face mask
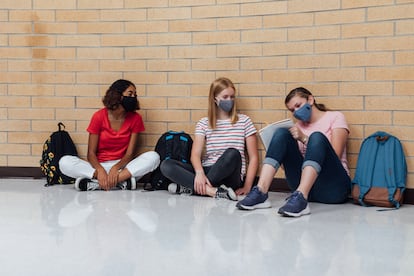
225	105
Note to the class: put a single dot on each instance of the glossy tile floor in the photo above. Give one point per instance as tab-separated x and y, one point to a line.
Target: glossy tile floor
59	231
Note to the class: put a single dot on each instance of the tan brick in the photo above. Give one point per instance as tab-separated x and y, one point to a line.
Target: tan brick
404	88
262	63
315	5
146	52
261	89
239	23
368	117
32	41
402	132
77	65
54	53
12	52
345	74
169	13
77	15
344	103
168	115
144	26
4	40
242	50
100	53
265	35
404	58
190	77
169	65
263	8
63	114
23	161
55	102
319	61
390	43
197	115
15	149
88	102
30	65
122	65
389	103
192	51
288	76
215	64
123	40
216	37
153	103
366	88
145	3
287	48
51	4
15	28
182	103
390	12
168	90
340	17
55	28
349	4
404	27
124	15
51	77
14	77
314	33
15	4
97	77
367	59
288	20
15	125
78	89
215	11
77	40
403	118
390	73
147	77
340	46
368	30
170	39
192	25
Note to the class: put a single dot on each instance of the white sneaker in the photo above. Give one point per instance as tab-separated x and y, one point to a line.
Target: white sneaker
129	184
226	192
85	184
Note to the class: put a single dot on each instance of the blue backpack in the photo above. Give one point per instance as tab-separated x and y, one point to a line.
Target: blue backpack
381	172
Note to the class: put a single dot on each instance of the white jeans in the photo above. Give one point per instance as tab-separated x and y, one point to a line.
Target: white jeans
75	167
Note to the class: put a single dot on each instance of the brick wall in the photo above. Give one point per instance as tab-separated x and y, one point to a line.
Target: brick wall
58	57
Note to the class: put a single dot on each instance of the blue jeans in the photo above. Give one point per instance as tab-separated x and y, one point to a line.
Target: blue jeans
333	183
227	171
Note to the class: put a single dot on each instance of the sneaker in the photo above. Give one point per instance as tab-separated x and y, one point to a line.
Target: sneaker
179	189
255	199
296	205
129	184
225	192
86	184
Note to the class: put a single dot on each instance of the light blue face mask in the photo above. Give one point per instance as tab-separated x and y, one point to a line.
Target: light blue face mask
304	113
225	105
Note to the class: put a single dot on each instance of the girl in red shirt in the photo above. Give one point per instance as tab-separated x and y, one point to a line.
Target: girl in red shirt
112	146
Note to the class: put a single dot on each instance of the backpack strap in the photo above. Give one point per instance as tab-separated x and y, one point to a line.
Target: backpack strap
183	153
61	126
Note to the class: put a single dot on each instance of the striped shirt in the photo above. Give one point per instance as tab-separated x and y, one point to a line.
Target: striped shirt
225	136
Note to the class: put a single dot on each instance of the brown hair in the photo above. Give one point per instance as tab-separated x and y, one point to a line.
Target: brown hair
113	95
215	88
304	93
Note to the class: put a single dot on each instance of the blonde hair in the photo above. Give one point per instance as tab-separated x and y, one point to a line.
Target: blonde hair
215	88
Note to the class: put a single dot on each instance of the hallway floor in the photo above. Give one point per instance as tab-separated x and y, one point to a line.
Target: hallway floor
59	231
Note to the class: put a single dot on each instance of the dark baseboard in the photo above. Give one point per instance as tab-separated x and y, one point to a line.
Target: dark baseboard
278	184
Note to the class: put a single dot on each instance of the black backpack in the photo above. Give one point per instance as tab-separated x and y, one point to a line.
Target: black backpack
57	145
171	145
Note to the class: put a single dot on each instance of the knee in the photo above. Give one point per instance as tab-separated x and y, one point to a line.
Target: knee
167	166
317	139
152	157
232	154
67	160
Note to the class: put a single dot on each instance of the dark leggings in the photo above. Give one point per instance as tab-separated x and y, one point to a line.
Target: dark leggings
227	171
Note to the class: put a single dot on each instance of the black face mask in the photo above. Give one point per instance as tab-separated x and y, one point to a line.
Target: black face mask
129	103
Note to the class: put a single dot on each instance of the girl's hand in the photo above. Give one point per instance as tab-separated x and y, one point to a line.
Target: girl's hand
296	133
200	181
102	178
113	177
243	191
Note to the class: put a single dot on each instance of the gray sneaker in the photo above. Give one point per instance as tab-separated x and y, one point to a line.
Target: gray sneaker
86	184
129	184
226	192
179	189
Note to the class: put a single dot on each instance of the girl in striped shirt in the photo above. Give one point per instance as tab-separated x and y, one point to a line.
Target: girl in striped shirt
218	157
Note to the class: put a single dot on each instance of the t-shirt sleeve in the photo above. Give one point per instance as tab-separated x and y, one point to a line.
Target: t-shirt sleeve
201	127
95	123
339	121
250	129
138	124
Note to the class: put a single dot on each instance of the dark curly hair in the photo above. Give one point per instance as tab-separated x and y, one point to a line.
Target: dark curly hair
113	95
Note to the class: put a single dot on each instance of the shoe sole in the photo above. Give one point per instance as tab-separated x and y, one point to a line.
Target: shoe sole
263	205
305	211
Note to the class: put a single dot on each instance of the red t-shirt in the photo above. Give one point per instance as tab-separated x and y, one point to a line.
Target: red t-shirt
112	144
